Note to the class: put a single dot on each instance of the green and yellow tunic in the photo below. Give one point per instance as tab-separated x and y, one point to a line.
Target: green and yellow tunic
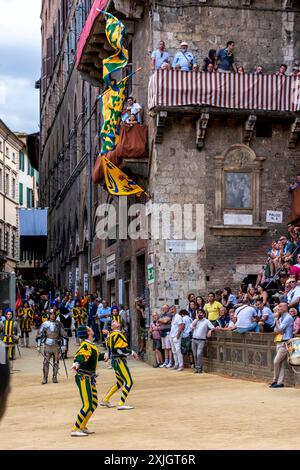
79	314
117	344
25	316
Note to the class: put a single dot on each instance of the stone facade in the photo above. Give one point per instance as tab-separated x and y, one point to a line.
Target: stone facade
190	152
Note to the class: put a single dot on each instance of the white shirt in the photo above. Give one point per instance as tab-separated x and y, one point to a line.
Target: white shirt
245	316
200	328
231	324
177	320
187	321
293	294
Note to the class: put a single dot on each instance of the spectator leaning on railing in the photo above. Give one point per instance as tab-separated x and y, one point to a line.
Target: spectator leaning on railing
160	56
225	58
246	317
184	60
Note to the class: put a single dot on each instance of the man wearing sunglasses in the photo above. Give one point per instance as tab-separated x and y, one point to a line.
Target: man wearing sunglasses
293	294
159	56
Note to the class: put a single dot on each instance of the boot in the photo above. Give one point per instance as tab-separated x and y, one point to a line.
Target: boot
27	342
44	381
55	370
22	342
45	373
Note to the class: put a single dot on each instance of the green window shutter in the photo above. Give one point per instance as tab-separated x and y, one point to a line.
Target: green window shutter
28	168
21	161
32	171
21	194
28	198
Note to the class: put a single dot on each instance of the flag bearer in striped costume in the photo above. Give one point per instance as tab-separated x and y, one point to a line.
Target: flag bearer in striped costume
80	317
85	363
118	347
9	332
25	316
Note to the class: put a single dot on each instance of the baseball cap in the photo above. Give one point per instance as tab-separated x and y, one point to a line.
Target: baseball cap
184	43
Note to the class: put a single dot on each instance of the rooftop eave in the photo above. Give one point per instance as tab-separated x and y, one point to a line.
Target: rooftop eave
93	46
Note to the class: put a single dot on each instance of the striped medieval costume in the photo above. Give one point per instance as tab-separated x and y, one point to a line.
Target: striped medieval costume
80	318
118	348
9	333
87	357
25	316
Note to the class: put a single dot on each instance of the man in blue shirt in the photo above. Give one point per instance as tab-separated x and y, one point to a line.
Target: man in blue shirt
159	56
266	319
225	58
184	59
92	312
284	325
104	315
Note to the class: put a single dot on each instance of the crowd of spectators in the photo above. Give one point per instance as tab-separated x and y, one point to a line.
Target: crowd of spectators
258	308
216	61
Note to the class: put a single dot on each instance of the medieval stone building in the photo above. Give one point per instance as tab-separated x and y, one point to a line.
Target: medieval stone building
227	144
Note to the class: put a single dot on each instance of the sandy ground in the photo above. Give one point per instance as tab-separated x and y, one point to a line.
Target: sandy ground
173	410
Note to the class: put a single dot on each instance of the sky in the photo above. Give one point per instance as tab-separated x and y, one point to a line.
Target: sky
20	38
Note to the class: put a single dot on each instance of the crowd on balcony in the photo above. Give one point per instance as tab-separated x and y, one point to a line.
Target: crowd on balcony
221	61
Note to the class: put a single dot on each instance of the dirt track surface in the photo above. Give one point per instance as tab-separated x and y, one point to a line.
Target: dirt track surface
173	410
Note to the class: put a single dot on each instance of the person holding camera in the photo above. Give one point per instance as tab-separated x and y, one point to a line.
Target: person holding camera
201	328
284	325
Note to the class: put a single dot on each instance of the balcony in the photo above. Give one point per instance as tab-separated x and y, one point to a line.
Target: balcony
203	93
266	92
93	46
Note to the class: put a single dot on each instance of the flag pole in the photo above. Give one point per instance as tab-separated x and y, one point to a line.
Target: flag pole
99	97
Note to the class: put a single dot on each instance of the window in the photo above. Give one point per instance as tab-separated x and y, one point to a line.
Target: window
7	243
13	190
29	198
7	184
14	157
1	146
21	194
1	235
21	162
28	168
13	246
1	180
7	152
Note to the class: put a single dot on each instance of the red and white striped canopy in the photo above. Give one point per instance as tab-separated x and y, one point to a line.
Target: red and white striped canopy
225	90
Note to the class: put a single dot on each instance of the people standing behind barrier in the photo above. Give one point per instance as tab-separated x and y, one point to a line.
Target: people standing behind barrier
132	107
177	328
284	325
246	317
225	58
211	59
104	316
293	294
265	316
294	313
200	330
192	309
184	59
160	56
154	331
165	321
282	70
212	308
223	320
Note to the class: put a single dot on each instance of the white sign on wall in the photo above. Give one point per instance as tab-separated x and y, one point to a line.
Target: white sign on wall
120	291
111	267
76	280
238	219
274	217
70	280
181	246
86	282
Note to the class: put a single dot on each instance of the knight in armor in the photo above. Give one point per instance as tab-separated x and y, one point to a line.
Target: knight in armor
52	334
25	315
9	333
80	317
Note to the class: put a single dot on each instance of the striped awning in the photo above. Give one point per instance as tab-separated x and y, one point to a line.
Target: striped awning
268	92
